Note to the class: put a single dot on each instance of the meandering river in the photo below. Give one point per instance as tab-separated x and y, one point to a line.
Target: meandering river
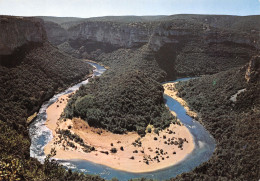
204	143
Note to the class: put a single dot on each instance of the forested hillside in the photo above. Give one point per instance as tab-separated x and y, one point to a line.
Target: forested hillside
126	98
141	52
234	123
200	46
183	45
30	74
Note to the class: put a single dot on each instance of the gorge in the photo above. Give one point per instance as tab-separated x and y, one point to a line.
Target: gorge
42	57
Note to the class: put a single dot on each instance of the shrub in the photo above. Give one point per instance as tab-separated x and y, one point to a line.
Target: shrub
113	150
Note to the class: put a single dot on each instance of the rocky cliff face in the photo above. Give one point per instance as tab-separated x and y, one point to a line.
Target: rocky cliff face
56	34
134	34
182	45
114	33
122	35
184	48
179	31
21	31
253	70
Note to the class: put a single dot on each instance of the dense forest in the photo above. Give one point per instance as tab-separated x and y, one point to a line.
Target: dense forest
183	45
26	83
235	124
124	98
129	96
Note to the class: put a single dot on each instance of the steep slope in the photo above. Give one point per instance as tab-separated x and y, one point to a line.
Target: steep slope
143	51
235	124
56	33
237	23
30	28
125	98
190	45
31	71
183	45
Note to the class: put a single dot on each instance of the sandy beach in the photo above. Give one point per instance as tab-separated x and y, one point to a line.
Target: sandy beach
133	153
170	90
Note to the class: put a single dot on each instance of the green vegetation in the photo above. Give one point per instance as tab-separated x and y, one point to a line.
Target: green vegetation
16	164
123	99
25	84
235	126
128	97
64	134
194	44
34	78
113	150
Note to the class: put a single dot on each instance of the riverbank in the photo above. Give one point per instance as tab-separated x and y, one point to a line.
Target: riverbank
170	90
101	64
133	153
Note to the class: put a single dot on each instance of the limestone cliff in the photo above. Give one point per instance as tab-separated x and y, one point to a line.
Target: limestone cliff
122	35
156	33
183	45
21	31
253	69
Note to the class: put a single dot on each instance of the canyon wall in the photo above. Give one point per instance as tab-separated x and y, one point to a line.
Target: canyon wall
134	34
31	72
182	45
21	31
253	69
122	35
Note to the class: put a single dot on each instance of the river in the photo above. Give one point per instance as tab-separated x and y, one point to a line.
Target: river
204	143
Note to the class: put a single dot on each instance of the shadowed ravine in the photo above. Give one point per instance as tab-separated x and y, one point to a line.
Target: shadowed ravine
204	142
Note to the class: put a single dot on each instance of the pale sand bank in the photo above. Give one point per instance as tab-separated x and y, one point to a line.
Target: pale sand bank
147	158
170	90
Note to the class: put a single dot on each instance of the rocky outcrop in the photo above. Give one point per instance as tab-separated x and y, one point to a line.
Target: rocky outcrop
182	45
253	69
179	31
16	32
156	33
56	34
122	35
